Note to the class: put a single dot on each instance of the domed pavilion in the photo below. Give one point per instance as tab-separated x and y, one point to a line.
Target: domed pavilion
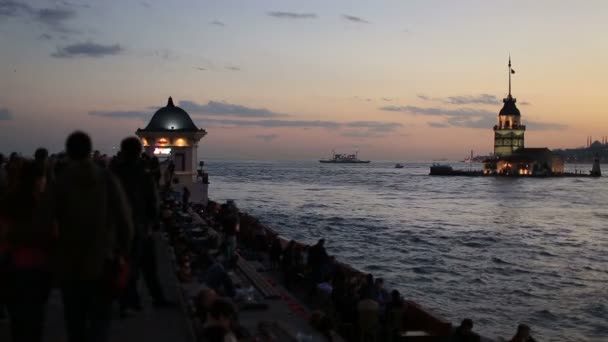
171	134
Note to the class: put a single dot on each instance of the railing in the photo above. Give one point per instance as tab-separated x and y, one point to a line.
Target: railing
497	127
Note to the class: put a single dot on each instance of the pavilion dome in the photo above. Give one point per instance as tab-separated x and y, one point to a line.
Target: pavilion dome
171	118
509	107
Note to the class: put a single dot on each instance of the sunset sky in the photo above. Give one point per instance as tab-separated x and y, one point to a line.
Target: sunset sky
397	80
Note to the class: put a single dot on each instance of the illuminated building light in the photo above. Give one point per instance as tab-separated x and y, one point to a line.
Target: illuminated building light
162	151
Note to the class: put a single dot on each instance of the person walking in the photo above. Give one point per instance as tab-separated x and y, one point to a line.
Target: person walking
95	229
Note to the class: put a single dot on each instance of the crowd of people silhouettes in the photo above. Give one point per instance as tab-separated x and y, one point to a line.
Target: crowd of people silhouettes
79	221
83	222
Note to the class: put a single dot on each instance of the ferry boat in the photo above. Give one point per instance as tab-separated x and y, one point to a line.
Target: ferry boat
339	158
398	166
476	159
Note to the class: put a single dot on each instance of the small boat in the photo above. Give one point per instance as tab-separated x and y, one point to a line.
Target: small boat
338	158
398	166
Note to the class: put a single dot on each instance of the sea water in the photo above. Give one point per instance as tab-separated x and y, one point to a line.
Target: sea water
501	251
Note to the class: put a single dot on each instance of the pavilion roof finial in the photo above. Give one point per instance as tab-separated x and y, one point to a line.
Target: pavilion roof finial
170	102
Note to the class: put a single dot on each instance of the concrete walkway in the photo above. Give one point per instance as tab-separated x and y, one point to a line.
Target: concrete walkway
150	325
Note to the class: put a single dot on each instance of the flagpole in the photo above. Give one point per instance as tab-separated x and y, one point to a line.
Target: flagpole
509	75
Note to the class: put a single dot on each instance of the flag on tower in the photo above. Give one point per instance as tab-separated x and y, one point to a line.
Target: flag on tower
512	71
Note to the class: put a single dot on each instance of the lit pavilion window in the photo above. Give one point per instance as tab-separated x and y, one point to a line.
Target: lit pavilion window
162	151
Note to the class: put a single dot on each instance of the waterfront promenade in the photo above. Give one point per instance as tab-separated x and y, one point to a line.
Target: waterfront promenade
287	313
150	325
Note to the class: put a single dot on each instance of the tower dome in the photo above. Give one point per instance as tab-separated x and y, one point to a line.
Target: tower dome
171	118
509	107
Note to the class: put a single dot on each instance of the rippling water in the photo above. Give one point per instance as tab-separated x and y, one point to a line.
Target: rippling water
498	250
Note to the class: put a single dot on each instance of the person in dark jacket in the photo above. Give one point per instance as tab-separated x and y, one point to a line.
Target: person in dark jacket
95	228
28	243
143	199
317	260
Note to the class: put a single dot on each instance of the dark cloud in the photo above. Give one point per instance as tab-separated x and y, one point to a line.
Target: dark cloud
292	15
362	134
375	126
267	137
122	114
545	126
356	129
360	129
5	114
477	99
217	23
55	18
436	111
438	125
370	129
233	68
272	123
88	49
10	8
466	117
227	109
464	99
460	117
45	36
355	19
74	4
475	121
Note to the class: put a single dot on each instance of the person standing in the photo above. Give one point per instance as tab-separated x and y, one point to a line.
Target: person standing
142	196
28	242
95	229
317	261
